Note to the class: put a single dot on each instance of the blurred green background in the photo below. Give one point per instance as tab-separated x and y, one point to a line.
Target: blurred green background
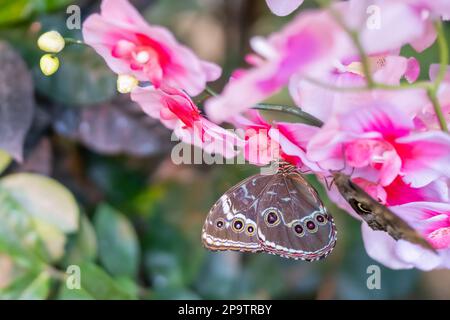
115	204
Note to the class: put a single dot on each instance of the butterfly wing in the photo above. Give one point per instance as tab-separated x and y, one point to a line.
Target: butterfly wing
377	216
231	223
292	221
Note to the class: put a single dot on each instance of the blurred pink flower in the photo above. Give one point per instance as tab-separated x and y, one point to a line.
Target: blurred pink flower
396	193
259	148
375	21
306	43
399	192
293	139
380	142
283	7
176	111
266	142
130	45
432	220
426	119
388	69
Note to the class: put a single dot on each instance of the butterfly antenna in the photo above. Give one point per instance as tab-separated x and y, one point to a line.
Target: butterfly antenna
328	185
305	171
344	157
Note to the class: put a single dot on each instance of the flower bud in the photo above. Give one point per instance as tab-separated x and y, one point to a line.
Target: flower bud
49	64
51	41
126	83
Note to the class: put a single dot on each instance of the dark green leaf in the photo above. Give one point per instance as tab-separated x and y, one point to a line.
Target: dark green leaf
83	78
83	246
12	11
100	285
118	244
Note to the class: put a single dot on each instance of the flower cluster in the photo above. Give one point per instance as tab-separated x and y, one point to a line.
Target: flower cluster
342	66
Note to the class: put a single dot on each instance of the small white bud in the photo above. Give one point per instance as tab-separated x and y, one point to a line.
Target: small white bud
49	64
126	83
51	41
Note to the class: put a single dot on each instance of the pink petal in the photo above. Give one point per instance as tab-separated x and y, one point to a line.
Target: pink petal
283	7
285	56
417	256
398	192
378	117
392	70
293	138
121	11
176	65
151	100
412	70
427	39
425	156
220	140
434	71
411	28
321	102
382	248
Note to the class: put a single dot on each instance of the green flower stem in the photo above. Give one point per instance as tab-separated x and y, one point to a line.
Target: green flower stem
443	54
306	117
437	109
403	86
433	90
72	41
354	36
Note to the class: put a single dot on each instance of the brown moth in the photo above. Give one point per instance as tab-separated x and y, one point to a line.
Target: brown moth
278	214
377	216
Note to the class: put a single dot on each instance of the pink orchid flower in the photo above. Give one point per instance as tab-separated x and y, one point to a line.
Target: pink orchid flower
388	69
432	220
394	194
375	21
283	7
265	142
130	45
399	192
177	111
380	141
307	43
259	148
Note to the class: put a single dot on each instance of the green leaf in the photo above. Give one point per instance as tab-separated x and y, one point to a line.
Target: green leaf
83	78
44	198
5	160
53	238
17	233
83	246
34	225
117	239
12	11
100	285
73	294
29	286
38	289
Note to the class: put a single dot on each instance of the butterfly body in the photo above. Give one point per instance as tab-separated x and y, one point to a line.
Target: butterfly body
376	215
278	214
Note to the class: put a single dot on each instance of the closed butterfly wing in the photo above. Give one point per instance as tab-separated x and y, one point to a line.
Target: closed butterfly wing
377	216
231	223
292	221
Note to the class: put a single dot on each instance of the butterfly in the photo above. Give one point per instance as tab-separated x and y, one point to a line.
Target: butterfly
377	216
279	214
